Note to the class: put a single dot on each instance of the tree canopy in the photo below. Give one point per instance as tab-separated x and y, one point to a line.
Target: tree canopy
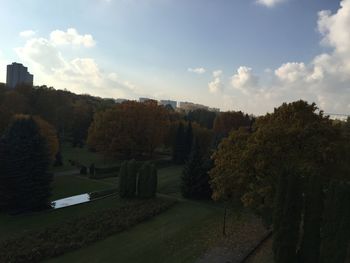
130	129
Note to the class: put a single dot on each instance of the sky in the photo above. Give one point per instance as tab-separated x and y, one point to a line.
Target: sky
249	55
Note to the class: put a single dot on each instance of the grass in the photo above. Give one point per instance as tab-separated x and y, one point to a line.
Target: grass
11	226
68	185
169	180
181	234
178	235
83	156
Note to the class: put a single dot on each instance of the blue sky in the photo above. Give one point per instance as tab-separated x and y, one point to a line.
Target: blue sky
233	54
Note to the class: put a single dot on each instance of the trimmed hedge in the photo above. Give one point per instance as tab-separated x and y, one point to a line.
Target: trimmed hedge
36	246
106	172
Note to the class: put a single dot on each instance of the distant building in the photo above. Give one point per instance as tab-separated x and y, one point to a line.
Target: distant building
171	103
18	74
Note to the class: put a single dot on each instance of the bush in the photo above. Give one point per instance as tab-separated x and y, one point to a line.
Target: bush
106	172
83	170
147	181
51	242
131	179
123	174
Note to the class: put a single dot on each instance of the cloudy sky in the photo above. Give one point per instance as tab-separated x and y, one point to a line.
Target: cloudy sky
250	55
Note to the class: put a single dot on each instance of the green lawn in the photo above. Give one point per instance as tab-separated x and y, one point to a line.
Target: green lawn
178	235
16	225
82	155
169	180
68	185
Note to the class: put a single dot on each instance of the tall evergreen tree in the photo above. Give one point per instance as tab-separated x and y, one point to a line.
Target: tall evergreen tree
195	178
188	140
179	148
287	221
24	163
336	223
313	209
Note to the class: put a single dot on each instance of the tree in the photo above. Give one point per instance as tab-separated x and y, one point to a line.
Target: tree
188	139
336	223
179	148
195	178
24	160
123	179
147	181
225	122
203	117
294	136
129	130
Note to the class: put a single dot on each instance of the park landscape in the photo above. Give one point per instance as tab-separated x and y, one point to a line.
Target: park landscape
175	131
171	186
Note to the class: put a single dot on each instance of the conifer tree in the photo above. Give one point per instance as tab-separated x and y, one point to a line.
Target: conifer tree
123	177
143	181
153	180
195	178
131	179
313	209
24	161
179	148
188	140
336	223
286	231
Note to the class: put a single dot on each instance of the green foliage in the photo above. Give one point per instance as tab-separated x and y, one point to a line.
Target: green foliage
24	160
336	223
153	185
248	164
123	180
179	148
195	178
288	216
106	172
188	140
37	246
131	179
143	182
203	117
183	143
313	210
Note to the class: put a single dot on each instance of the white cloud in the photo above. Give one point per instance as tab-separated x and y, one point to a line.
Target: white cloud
199	70
27	33
244	79
269	3
51	67
291	72
71	37
216	84
324	80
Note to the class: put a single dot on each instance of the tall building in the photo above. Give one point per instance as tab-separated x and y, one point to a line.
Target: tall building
18	74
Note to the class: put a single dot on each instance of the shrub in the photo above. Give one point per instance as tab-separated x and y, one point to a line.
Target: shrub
131	179
123	174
